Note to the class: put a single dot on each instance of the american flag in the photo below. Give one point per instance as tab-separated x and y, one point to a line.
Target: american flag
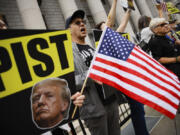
121	64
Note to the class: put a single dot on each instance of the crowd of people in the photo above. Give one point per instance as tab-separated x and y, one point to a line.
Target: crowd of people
95	110
100	108
98	103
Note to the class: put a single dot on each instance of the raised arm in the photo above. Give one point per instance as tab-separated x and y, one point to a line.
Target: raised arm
168	60
124	22
112	14
160	12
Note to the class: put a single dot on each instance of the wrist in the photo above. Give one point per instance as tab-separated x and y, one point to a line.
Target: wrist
177	59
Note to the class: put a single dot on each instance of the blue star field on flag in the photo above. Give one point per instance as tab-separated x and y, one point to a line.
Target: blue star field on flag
114	45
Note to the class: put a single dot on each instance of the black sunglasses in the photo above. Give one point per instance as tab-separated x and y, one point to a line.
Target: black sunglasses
162	24
79	22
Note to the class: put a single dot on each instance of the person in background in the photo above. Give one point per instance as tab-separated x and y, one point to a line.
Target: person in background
163	49
100	109
172	34
143	25
145	33
3	26
111	19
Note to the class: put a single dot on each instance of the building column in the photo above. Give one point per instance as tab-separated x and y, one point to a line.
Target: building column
143	8
135	15
97	10
67	7
152	6
31	14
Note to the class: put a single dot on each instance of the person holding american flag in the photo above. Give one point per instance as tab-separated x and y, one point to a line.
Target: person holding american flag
100	109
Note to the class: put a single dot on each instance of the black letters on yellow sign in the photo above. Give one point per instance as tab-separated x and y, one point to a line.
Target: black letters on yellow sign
29	59
33	52
60	48
21	62
4	65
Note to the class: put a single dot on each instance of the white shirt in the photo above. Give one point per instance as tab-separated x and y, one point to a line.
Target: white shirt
146	34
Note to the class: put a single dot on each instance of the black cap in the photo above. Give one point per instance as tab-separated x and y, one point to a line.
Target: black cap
76	14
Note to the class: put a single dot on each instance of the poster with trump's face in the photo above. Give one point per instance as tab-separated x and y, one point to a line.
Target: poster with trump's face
50	102
36	80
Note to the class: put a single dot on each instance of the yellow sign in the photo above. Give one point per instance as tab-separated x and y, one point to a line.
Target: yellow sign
178	32
29	59
171	8
96	43
126	35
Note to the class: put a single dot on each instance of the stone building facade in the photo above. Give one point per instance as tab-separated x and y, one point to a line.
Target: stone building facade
51	14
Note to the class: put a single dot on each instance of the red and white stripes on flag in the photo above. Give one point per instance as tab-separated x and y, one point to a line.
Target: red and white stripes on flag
138	76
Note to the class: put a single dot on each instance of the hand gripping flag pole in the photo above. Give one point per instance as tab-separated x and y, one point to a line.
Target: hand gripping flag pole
84	84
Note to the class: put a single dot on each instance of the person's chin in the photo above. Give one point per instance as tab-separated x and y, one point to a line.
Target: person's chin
42	120
83	35
45	122
43	114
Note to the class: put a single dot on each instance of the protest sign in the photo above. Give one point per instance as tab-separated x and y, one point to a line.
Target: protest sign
28	57
172	9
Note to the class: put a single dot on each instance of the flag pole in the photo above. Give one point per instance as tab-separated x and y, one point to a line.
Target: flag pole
82	90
